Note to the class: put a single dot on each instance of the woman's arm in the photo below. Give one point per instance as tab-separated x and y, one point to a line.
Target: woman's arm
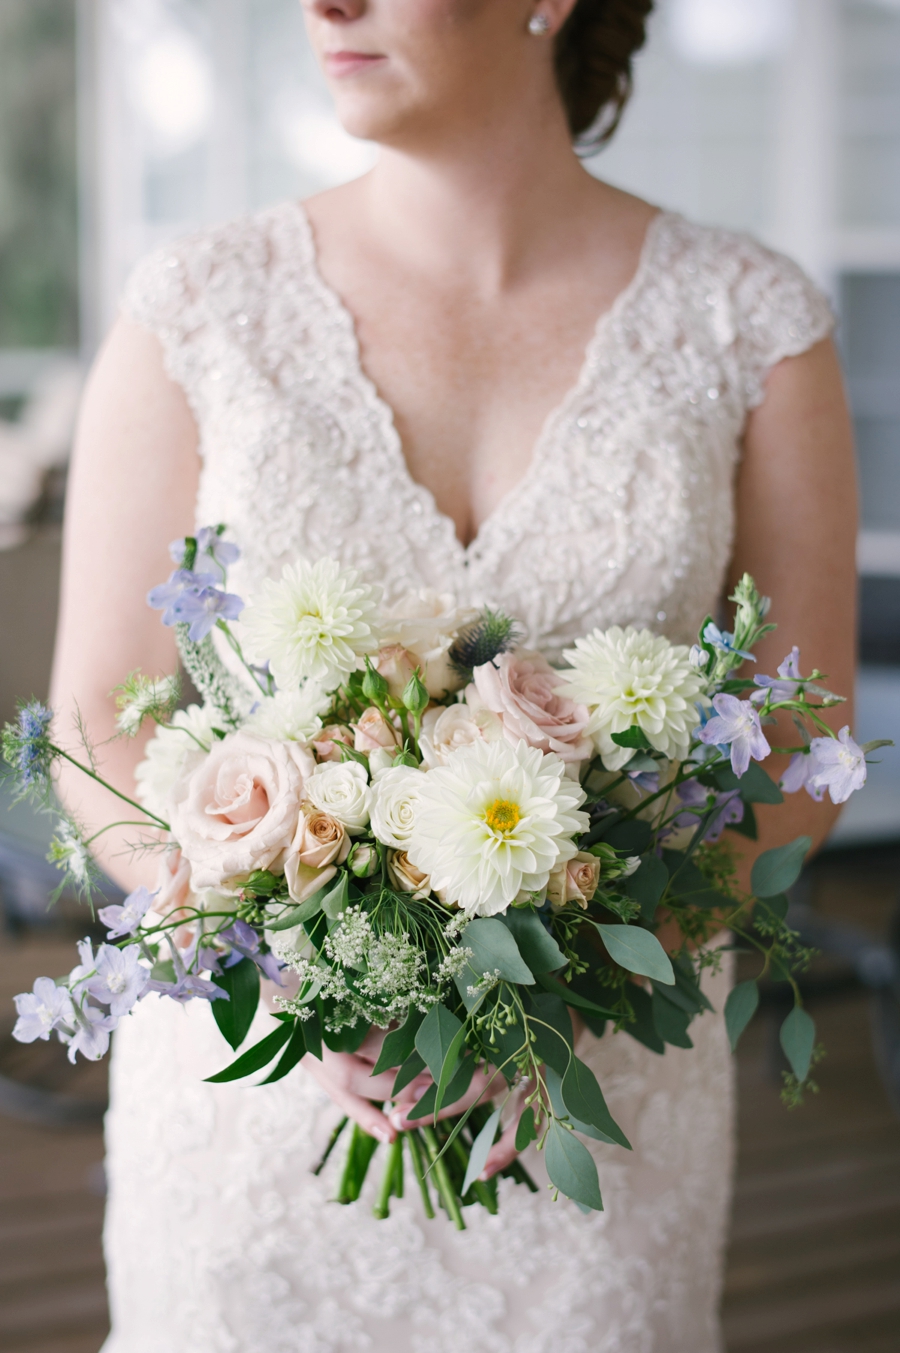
132	488
796	534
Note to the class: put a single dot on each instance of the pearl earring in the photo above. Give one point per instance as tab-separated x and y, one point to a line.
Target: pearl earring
538	24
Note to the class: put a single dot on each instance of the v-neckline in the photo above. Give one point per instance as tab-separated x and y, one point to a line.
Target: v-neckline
394	445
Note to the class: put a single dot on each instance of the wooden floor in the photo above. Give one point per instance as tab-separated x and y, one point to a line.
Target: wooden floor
814	1262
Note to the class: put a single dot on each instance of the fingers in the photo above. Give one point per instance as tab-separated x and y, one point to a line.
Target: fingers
485	1084
502	1153
338	1077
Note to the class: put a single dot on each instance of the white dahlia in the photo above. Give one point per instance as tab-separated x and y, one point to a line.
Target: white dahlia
493	822
174	749
289	716
317	622
629	677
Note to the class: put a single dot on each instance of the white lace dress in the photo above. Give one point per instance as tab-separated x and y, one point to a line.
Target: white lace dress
218	1237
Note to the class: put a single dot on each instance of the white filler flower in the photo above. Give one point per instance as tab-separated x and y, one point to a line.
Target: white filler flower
174	749
493	822
318	621
629	677
289	716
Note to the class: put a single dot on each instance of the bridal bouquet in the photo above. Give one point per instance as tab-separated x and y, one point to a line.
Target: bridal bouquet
404	820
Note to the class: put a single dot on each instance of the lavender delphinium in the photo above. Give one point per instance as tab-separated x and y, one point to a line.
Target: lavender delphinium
736	724
124	918
726	808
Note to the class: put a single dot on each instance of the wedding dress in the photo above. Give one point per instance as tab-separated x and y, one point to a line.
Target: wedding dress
218	1237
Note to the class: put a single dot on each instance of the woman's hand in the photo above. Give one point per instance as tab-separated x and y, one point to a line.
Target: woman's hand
346	1077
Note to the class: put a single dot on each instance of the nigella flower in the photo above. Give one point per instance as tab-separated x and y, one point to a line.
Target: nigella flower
45	1008
736	723
140	697
124	919
68	851
27	747
788	687
724	641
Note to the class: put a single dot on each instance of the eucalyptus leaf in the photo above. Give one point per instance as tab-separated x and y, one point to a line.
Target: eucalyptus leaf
495	950
637	951
295	916
633	836
776	870
798	1037
434	1037
234	1016
428	1107
526	1132
584	1100
642	1027
756	784
554	1089
449	1066
536	945
740	1008
336	899
572	997
647	884
412	1067
671	1020
481	1148
571	1167
551	1025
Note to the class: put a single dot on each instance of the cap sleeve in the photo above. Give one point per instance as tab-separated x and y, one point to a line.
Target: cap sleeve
780	312
165	296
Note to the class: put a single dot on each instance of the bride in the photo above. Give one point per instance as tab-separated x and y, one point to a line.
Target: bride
409	372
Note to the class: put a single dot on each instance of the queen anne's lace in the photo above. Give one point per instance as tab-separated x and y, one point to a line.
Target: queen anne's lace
219	1239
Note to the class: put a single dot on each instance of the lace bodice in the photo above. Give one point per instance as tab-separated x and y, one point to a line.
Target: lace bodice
219	1239
630	484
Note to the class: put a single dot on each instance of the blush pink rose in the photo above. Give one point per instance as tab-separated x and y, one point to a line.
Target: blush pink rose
373	731
519	689
320	838
239	809
575	881
327	744
396	665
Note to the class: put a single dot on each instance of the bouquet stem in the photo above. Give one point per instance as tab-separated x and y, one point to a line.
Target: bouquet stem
332	1143
418	1163
392	1179
442	1179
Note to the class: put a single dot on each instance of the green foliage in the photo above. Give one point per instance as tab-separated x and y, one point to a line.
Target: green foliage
647	884
633	737
755	785
399	1044
256	1057
797	1037
434	1037
777	870
526	1132
584	1100
740	1007
494	950
637	951
571	1167
211	678
535	944
481	1150
235	1015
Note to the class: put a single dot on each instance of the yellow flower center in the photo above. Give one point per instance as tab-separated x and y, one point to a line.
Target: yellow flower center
502	816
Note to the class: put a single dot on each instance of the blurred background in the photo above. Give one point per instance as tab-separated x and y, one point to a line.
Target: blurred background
124	123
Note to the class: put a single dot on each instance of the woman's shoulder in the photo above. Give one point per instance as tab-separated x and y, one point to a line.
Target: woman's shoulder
226	269
746	296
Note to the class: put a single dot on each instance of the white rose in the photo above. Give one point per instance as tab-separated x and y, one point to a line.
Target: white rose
444	730
341	789
425	624
394	798
238	810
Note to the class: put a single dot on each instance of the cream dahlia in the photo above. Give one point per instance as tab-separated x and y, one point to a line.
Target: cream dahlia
318	621
633	677
493	822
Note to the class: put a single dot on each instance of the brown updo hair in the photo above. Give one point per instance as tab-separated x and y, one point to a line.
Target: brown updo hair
593	52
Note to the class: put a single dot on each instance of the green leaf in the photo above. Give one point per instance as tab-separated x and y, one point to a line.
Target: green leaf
449	1067
297	915
348	1039
295	1049
533	940
633	737
572	997
584	1100
235	1015
526	1132
399	1043
671	1020
687	991
647	885
756	784
642	1026
633	836
571	1167
798	1036
747	825
428	1107
412	1067
551	1024
777	906
481	1148
336	899
312	1033
494	949
434	1037
776	870
258	1056
638	951
740	1009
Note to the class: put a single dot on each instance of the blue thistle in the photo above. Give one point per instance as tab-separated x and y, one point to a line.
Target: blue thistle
491	634
27	748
